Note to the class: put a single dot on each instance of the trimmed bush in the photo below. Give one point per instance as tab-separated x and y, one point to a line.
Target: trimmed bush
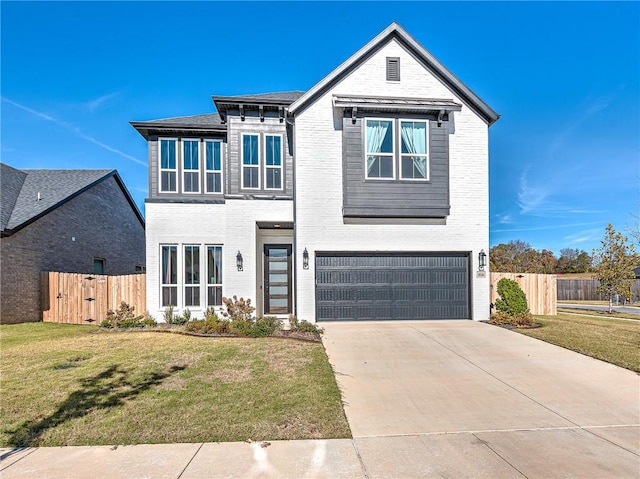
512	299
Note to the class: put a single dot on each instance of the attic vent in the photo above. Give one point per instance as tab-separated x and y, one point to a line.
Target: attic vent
393	69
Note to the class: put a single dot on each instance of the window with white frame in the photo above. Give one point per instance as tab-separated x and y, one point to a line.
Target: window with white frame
379	157
192	275
213	166
214	275
168	166
169	275
413	150
190	166
273	162
250	162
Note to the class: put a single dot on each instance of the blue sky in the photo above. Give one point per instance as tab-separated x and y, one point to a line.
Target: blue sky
564	158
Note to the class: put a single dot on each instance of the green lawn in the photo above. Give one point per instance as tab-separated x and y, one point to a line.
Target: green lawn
614	341
76	385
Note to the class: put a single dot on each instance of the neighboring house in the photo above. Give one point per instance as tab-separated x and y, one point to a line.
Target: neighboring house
80	221
364	198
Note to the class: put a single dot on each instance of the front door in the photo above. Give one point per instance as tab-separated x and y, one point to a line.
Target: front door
277	279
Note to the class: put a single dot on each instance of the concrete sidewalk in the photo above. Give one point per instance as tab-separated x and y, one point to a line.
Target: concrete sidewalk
317	459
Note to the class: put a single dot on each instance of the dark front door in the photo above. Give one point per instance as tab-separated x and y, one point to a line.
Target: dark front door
277	279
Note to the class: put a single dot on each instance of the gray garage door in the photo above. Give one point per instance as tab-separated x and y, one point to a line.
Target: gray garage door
374	286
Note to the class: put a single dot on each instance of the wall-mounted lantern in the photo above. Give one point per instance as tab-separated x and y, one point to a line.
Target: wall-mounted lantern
305	259
239	261
482	260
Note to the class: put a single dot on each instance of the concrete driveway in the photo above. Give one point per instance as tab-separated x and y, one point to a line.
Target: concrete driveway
466	399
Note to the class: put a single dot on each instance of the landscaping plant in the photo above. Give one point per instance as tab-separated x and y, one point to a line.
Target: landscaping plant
512	308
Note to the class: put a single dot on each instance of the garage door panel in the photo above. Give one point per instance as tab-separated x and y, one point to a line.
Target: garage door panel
374	286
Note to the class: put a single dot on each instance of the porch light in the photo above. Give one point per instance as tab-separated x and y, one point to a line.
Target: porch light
239	261
305	259
482	260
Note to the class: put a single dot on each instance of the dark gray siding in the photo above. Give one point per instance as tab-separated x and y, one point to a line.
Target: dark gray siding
392	286
397	198
252	125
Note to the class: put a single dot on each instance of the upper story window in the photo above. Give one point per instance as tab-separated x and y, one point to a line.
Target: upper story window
383	160
250	162
413	151
190	166
168	166
213	165
273	162
379	149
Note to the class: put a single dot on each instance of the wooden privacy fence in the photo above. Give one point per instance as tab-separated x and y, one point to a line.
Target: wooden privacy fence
540	290
74	298
585	290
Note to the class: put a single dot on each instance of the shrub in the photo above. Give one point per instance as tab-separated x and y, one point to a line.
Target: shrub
123	317
168	315
238	309
302	326
518	320
208	326
147	319
512	299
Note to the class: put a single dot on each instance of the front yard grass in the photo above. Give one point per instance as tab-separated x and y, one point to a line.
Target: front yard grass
76	385
613	341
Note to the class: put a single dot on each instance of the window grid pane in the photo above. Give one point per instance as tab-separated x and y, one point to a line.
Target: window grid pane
379	149
168	166
169	279
214	275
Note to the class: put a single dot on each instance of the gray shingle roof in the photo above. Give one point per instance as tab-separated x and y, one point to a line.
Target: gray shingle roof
285	97
11	181
211	120
42	191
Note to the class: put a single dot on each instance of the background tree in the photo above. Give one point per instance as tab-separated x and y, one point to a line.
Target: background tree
614	264
573	261
520	257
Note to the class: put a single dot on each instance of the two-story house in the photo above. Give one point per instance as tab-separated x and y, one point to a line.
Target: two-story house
363	198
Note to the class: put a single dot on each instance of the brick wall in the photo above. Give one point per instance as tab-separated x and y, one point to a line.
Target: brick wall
99	223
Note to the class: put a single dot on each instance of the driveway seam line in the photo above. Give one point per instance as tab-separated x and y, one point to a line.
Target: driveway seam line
190	460
611	442
497	378
362	466
485	443
482	431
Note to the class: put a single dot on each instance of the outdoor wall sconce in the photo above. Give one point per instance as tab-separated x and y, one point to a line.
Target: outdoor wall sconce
305	259
239	261
482	260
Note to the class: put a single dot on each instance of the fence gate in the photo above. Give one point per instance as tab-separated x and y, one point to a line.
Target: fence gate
74	298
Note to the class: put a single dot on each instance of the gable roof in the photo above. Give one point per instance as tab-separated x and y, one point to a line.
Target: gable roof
35	193
395	31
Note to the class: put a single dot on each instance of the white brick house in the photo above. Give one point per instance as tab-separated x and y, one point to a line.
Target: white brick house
364	198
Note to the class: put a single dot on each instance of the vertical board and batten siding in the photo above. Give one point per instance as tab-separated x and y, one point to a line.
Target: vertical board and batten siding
395	198
540	290
586	290
74	298
252	125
